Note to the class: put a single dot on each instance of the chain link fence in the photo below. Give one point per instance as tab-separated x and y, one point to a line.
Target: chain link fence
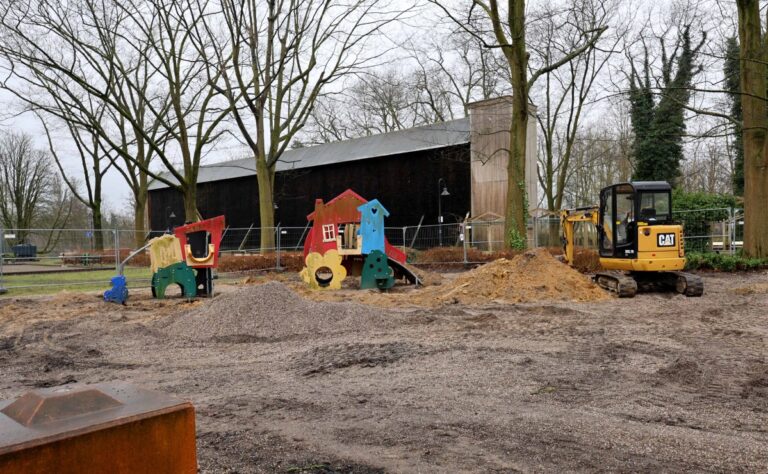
32	258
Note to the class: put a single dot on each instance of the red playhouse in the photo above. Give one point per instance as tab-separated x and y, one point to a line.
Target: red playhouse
335	247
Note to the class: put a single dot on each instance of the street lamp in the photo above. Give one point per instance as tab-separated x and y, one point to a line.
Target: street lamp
169	214
442	190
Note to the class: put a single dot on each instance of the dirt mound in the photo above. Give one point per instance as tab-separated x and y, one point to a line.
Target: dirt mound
272	312
753	289
426	277
532	276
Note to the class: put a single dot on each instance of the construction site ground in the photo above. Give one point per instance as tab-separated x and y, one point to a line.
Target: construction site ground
359	381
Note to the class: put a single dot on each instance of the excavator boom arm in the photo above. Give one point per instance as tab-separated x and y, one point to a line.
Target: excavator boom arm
569	217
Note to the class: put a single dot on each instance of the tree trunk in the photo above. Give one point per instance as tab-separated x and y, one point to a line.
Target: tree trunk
139	220
265	178
517	205
140	210
755	126
98	233
516	214
190	203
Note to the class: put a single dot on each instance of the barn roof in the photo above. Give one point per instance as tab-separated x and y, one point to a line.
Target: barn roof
439	135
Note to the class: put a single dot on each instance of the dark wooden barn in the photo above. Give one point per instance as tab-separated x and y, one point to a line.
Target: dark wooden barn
403	169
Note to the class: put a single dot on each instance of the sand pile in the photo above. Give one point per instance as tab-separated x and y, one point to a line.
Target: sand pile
272	311
532	276
753	289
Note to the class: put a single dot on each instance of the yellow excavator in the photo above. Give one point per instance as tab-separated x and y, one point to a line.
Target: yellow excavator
639	244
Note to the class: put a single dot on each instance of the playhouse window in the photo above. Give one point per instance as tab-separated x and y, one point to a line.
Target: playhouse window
329	232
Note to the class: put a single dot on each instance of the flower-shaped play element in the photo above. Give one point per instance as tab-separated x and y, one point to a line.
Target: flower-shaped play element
324	272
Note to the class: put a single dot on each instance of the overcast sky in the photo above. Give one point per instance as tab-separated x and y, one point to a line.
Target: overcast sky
116	192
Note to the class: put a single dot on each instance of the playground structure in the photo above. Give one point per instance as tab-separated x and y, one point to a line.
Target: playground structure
186	259
347	238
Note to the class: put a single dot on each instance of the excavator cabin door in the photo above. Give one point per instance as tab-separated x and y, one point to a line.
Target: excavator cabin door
618	226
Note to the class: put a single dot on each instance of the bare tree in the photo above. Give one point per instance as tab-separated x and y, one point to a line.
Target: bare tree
601	155
25	181
504	27
753	60
435	82
106	51
283	55
567	92
94	164
452	71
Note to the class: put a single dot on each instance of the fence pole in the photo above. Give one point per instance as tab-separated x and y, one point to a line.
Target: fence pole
415	234
247	234
732	229
116	243
464	236
277	258
403	238
2	256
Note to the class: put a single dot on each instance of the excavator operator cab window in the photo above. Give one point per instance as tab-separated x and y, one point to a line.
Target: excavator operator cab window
625	214
606	229
655	207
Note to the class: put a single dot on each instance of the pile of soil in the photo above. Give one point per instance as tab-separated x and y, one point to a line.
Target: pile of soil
426	277
532	276
271	312
753	289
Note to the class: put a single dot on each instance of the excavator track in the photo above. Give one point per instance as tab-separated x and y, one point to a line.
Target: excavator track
620	283
688	284
681	282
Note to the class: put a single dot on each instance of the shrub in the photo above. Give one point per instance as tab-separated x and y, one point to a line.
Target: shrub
722	262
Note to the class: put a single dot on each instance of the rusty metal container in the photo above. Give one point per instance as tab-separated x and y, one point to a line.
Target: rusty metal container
101	428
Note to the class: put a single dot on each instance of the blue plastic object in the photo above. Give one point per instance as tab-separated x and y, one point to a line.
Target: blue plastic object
372	216
119	291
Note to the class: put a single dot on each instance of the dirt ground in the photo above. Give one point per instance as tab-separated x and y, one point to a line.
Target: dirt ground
656	383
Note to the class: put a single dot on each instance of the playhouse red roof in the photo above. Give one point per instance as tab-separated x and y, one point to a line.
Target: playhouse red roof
346	194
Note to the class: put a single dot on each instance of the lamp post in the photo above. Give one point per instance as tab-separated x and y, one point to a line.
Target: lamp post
169	214
442	190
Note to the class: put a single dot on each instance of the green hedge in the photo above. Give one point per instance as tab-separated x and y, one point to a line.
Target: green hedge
722	262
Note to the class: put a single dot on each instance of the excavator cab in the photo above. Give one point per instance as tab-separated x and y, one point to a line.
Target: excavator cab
639	244
631	210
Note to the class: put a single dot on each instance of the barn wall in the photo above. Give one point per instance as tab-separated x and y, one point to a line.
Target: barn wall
490	125
406	184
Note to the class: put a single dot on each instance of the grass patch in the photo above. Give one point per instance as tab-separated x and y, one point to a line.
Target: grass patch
91	280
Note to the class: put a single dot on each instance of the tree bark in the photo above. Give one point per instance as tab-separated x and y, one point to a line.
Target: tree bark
139	227
98	228
265	178
516	217
755	127
190	203
517	199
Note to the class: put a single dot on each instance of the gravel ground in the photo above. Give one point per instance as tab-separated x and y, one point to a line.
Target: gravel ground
656	383
271	312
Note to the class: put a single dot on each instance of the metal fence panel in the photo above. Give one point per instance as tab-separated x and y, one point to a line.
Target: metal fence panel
705	230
